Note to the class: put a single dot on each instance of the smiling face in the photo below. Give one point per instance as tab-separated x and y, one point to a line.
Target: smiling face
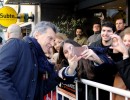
105	33
79	32
46	40
126	40
68	50
57	44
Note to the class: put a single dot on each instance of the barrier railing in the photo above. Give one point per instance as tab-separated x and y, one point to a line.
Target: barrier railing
98	86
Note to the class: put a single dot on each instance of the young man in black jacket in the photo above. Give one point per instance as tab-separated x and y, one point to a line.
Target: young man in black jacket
106	77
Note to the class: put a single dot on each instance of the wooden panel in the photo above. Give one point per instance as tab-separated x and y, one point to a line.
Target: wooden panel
66	92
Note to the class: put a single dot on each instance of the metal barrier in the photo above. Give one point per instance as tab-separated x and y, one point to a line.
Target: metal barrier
98	86
67	94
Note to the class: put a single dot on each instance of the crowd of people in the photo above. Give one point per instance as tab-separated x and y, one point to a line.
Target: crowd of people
32	66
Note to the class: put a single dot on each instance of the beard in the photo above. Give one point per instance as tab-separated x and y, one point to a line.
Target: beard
79	35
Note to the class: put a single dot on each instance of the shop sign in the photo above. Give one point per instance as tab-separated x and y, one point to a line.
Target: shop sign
8	16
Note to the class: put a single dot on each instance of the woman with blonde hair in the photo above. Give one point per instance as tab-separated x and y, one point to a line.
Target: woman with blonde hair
60	37
118	81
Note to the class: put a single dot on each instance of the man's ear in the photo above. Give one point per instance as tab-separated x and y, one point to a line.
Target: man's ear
36	35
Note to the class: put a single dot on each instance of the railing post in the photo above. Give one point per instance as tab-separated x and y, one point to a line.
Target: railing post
76	83
97	92
86	90
110	95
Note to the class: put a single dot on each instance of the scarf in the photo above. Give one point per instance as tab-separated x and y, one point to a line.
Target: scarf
43	64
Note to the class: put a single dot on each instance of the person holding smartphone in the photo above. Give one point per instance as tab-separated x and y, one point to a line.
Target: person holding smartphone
94	65
23	63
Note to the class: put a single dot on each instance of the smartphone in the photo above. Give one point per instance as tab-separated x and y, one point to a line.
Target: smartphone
78	50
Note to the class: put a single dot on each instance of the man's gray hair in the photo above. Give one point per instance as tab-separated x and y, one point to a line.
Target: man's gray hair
43	26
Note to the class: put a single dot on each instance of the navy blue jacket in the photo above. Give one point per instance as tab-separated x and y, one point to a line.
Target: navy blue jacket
18	71
19	75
